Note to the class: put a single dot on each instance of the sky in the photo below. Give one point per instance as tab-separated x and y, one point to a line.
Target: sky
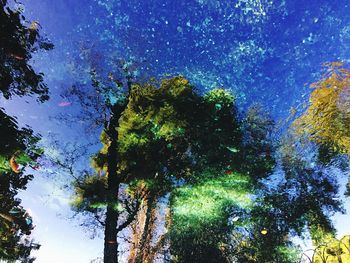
264	51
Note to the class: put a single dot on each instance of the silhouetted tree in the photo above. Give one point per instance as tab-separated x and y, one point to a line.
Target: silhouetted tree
18	41
17	150
296	201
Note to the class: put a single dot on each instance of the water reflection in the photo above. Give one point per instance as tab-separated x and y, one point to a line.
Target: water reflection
174	131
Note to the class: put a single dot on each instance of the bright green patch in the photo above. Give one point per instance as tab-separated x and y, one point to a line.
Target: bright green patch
209	200
219	97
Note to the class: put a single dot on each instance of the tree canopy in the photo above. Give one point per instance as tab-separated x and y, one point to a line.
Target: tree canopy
326	121
214	168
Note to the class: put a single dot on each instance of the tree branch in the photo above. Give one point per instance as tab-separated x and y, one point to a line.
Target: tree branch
131	216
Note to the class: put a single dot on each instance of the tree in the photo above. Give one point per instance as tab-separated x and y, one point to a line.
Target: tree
162	139
181	142
214	218
153	145
18	41
326	120
217	224
16	224
163	147
298	202
257	147
239	155
202	208
102	197
154	140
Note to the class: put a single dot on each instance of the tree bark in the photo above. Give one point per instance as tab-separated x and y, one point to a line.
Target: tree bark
112	214
137	231
151	231
144	244
111	242
114	180
143	233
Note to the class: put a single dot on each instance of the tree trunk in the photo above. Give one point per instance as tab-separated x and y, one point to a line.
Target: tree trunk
137	230
143	233
111	242
114	181
112	214
151	230
144	244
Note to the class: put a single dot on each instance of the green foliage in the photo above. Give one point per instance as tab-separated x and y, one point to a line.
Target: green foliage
171	132
214	165
165	129
166	135
302	201
154	130
201	214
207	200
220	98
90	194
218	132
254	247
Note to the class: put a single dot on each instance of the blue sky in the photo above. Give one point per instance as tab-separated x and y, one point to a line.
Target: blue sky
263	50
